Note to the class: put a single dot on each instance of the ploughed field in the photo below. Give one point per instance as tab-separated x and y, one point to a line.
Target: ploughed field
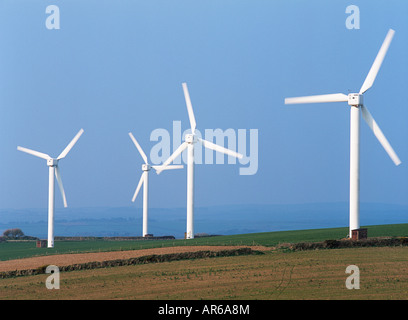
61	260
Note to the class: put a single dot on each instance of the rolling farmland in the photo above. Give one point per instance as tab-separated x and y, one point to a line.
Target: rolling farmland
276	274
296	275
17	250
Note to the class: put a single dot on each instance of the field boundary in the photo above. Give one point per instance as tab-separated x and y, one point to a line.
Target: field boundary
345	243
153	258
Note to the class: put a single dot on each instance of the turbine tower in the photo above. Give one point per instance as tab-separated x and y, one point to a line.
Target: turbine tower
355	100
144	180
190	140
52	163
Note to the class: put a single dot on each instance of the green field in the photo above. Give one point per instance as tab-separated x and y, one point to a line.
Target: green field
22	249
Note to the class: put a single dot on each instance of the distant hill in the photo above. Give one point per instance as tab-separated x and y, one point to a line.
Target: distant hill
225	220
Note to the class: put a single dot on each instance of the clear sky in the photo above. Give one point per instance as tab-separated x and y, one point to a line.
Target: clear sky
118	66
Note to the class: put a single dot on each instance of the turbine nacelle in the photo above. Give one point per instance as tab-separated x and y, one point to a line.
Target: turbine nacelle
146	167
190	138
355	99
52	162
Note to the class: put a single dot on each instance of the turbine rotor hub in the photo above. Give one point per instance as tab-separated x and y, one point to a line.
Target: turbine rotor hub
355	99
146	167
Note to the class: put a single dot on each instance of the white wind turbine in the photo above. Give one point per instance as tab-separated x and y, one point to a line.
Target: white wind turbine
52	163
355	100
144	179
190	140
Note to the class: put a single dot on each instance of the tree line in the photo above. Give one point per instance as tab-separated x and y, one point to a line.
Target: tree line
15	234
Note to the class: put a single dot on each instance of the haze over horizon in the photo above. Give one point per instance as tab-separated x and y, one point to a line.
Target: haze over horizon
220	220
114	68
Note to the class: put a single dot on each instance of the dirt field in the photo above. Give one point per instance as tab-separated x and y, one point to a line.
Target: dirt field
69	259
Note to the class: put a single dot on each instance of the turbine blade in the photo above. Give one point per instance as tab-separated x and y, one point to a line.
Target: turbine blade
169	167
218	148
142	179
189	108
61	187
70	145
138	147
372	74
34	153
380	136
175	154
335	97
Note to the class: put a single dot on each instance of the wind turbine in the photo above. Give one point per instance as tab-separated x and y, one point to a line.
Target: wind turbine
144	179
52	163
190	140
355	100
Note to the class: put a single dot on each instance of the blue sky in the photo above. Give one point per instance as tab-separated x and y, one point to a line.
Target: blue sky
118	66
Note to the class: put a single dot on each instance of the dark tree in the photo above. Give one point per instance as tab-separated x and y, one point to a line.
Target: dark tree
13	233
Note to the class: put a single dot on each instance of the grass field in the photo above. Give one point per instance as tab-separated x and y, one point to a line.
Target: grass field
17	250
